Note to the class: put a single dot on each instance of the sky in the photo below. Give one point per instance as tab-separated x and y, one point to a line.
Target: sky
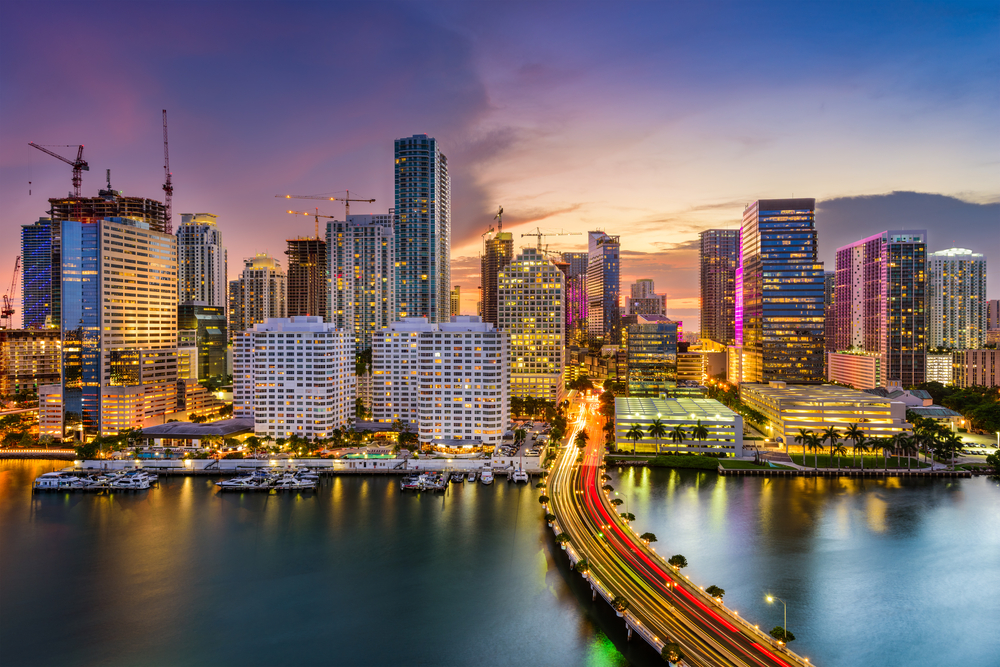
650	120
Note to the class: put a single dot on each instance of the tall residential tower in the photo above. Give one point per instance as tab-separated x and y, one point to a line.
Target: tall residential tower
718	254
201	261
604	321
956	299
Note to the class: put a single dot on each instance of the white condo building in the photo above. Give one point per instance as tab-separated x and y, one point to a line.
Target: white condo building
294	376
260	293
956	299
448	380
531	310
201	261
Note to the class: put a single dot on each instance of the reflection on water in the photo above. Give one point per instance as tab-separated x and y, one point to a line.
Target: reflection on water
874	571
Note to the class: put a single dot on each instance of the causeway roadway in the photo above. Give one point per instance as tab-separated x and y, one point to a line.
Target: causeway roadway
664	606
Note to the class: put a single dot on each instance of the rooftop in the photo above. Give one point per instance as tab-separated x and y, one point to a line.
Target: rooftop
225	427
672	408
811	393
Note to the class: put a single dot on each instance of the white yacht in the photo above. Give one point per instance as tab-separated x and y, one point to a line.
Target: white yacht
472	476
519	475
58	481
130	482
486	477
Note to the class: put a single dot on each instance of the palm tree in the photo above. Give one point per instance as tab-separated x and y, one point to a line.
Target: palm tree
952	443
907	446
657	430
838	450
861	446
678	434
635	435
830	433
815	444
888	446
699	432
802	439
856	435
581	438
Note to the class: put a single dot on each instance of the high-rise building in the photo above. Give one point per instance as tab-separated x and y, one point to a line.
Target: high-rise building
956	299
829	310
423	229
395	372
603	314
645	300
294	376
260	293
209	326
498	251
110	204
576	297
29	358
119	326
308	279
40	281
201	261
531	311
456	300
782	292
362	272
976	368
993	314
880	302
719	251
235	307
651	343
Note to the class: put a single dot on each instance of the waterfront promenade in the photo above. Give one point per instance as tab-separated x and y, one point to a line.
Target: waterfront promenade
663	605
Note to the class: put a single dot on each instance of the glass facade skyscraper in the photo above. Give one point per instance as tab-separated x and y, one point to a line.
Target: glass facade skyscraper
651	343
604	321
719	253
211	338
40	274
782	284
423	229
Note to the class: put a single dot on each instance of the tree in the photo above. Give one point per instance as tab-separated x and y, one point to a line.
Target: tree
830	434
678	562
861	446
627	516
672	652
838	450
855	435
699	432
657	430
907	446
543	499
580	440
677	435
802	439
616	501
993	461
716	592
619	604
635	435
607	488
781	634
815	443
87	450
582	566
647	537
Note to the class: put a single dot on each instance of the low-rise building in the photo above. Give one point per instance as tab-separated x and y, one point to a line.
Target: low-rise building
29	358
939	368
976	368
861	370
724	427
789	408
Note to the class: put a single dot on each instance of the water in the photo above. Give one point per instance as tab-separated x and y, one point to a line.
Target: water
874	573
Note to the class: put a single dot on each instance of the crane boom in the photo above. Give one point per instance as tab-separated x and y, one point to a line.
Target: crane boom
539	234
168	185
78	165
316	215
7	312
347	200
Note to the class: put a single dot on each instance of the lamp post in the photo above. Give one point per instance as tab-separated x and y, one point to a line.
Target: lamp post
772	598
626	500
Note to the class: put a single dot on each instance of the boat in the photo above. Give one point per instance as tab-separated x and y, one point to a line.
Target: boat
236	482
290	482
519	475
472	476
410	483
58	481
486	477
130	483
457	478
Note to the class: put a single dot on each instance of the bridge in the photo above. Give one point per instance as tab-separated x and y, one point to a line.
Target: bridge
663	605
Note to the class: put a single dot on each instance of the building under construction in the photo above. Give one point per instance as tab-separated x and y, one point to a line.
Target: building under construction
308	277
498	251
110	204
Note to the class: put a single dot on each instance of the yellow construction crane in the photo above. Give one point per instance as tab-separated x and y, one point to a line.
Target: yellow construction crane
315	215
347	200
539	233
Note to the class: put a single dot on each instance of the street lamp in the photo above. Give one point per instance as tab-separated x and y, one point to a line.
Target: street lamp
770	599
626	500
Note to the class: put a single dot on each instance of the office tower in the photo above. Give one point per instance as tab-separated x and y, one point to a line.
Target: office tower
976	368
187	354
645	300
498	251
993	314
211	339
956	299
29	358
362	272
829	310
308	279
880	302
531	310
719	251
294	376
423	228
651	345
782	290
603	315
235	307
456	300
119	324
576	297
260	294
40	281
201	261
459	401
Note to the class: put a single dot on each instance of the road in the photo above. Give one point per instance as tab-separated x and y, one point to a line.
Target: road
660	598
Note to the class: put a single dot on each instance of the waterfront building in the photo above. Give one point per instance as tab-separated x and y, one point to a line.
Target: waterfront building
650	342
719	251
395	372
790	408
195	400
260	293
531	311
40	281
956	299
308	277
211	338
456	300
498	251
576	296
202	261
423	228
780	281
725	427
294	376
860	370
939	368
645	300
119	326
976	368
881	302
603	314
29	358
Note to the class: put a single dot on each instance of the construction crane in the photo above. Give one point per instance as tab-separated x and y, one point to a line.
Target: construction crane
7	313
316	215
168	185
539	233
347	200
78	165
